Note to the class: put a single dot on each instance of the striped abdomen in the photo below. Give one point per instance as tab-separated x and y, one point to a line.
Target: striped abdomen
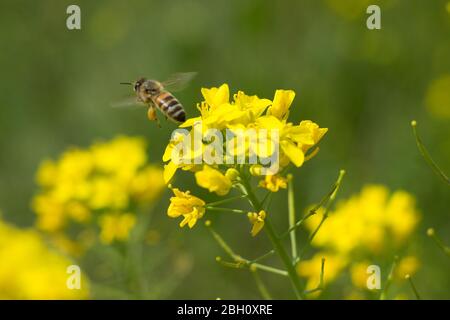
170	106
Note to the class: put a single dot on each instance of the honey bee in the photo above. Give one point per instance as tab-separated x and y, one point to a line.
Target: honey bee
156	95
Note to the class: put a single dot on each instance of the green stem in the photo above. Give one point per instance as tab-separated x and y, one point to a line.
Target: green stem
327	207
225	209
424	152
212	204
261	286
413	287
321	282
291	212
279	249
239	261
432	234
389	279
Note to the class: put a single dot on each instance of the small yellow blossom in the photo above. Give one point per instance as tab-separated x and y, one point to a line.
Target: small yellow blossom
31	270
407	265
281	103
273	183
213	180
257	220
232	174
216	97
186	205
116	226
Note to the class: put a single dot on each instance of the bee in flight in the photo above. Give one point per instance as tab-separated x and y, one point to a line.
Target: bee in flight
155	94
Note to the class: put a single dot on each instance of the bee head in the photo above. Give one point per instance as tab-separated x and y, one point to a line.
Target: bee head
138	84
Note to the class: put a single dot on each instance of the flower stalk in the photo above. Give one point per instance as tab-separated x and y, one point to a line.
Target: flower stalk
424	152
278	247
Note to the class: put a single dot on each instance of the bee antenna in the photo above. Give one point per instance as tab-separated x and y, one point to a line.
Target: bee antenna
129	83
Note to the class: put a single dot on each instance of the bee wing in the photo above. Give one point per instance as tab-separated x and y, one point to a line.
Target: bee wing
178	81
127	102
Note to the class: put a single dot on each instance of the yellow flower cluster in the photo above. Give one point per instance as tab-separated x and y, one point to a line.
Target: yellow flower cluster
30	270
244	113
362	228
100	185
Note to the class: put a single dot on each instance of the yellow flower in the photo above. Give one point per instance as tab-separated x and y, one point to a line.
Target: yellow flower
437	98
359	275
116	226
177	158
263	123
213	180
47	173
31	270
401	215
186	205
257	220
215	97
273	183
281	103
111	176
148	184
365	221
407	265
294	140
232	174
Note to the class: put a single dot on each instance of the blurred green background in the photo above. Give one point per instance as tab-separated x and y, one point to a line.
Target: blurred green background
366	86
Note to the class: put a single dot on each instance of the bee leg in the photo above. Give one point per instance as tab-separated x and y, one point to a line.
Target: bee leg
151	114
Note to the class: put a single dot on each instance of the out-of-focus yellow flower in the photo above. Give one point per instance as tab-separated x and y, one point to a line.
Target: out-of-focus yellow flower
213	180
358	273
186	205
366	221
147	184
273	183
310	269
363	228
115	226
82	184
407	265
401	215
257	220
437	97
31	270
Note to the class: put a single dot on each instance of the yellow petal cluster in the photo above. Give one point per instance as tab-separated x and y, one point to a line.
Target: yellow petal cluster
360	230
90	186
186	205
369	220
245	112
213	180
257	221
29	269
116	226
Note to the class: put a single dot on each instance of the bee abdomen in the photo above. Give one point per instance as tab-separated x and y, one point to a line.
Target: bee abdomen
170	106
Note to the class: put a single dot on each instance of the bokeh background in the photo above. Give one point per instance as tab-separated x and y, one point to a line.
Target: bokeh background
56	87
